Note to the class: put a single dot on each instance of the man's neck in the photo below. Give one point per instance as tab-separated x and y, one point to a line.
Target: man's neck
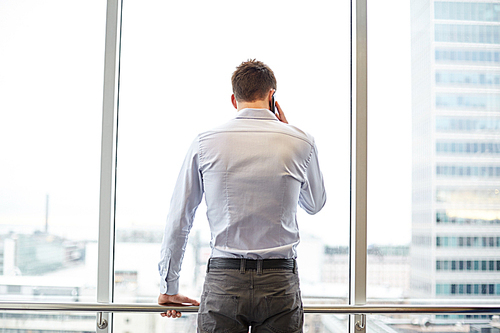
253	105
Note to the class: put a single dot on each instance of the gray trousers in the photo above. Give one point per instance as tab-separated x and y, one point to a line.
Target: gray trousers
233	300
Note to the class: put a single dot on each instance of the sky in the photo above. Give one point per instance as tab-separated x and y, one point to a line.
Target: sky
177	59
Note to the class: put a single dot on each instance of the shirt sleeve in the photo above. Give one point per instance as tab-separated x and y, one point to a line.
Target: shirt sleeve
312	195
187	195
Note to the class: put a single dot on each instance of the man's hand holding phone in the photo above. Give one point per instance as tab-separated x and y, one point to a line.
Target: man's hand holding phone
280	114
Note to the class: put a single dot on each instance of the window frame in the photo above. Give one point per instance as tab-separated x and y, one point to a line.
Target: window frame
358	172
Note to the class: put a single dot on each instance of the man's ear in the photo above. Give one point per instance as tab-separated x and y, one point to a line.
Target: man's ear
270	95
233	100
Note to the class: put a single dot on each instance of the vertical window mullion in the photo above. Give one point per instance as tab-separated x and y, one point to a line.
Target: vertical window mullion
358	240
108	160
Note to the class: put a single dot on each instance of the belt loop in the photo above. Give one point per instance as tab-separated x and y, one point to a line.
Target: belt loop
259	266
208	265
294	266
243	265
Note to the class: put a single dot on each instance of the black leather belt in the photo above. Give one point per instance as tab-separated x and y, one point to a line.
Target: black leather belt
251	264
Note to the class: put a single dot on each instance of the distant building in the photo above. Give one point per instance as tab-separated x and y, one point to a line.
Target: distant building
37	253
455	250
388	270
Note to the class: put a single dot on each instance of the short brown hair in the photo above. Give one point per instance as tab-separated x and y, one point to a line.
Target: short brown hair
252	80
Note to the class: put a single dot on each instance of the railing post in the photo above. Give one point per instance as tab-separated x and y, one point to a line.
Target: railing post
358	245
105	270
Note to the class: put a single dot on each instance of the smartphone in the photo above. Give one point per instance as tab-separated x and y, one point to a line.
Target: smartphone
272	107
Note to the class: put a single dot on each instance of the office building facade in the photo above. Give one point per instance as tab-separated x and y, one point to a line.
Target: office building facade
455	250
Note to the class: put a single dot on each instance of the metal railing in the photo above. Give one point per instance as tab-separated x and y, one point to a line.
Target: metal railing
362	310
319	308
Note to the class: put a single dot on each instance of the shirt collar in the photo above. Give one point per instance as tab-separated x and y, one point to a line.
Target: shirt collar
264	114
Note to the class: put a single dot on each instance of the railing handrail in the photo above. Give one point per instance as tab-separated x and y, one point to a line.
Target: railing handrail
311	308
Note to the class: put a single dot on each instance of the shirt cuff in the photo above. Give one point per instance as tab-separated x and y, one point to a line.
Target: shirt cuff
172	288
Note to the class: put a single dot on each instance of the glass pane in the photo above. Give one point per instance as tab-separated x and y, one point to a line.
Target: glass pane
153	322
45	321
433	157
51	101
324	323
177	61
132	322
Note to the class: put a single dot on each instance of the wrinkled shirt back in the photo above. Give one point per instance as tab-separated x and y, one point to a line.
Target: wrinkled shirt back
254	171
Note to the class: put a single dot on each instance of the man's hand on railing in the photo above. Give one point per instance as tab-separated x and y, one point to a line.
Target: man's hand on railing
175	300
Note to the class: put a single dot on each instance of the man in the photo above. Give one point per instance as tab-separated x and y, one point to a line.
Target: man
254	170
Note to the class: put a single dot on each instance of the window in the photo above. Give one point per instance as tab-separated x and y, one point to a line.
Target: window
57	128
467	33
467	102
50	128
165	103
451	79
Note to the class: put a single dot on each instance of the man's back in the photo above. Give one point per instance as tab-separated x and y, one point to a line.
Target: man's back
253	170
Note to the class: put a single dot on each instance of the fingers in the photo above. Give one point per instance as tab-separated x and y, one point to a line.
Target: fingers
185	299
173	300
176	299
281	114
172	314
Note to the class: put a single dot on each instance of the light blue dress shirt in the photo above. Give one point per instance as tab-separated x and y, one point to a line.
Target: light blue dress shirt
254	170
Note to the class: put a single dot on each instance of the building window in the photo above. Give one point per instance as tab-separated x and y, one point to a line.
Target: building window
467	148
466	56
466	11
469	196
457	33
469	218
472	79
473	102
